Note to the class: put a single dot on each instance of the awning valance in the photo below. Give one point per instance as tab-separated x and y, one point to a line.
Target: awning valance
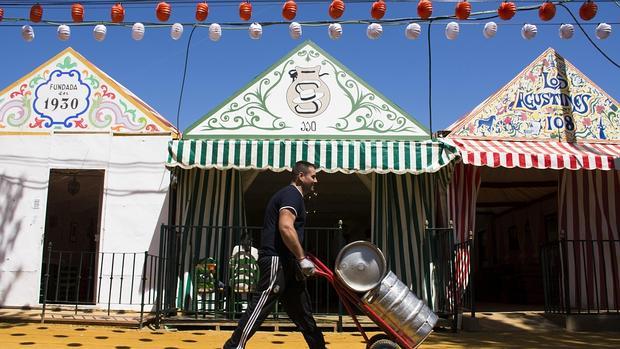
347	156
539	154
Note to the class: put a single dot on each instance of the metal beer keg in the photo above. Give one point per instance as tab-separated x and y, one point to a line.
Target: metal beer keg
361	266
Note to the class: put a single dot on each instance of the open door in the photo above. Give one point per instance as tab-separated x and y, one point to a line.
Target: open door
72	227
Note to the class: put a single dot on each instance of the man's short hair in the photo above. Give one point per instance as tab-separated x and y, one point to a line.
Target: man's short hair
302	167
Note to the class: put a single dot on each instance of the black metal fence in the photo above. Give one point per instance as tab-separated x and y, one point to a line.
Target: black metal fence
212	272
88	280
581	276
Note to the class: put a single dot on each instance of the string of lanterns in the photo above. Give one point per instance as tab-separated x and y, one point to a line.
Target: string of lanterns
463	10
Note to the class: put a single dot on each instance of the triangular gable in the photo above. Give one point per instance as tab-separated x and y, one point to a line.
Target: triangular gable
548	100
69	94
307	95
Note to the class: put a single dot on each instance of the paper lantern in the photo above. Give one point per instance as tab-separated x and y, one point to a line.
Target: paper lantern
163	11
36	13
490	29
289	10
294	29
507	10
245	11
202	11
587	11
215	32
374	31
28	33
528	31
255	30
566	31
603	31
176	31
117	13
335	31
137	31
546	11
425	9
413	31
336	9
377	11
462	10
77	13
63	32
1	14
99	32
452	30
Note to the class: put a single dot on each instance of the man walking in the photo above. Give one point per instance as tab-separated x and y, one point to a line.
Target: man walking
281	260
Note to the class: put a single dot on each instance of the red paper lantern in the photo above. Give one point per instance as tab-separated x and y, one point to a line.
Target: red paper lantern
336	9
378	9
245	10
1	14
463	10
546	11
202	11
507	10
289	10
77	12
117	13
425	9
36	13
163	11
587	11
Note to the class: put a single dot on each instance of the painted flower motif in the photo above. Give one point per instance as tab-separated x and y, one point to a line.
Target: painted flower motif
586	122
523	116
471	128
600	109
507	120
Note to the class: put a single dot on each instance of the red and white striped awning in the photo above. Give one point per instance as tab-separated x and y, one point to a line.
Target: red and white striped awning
539	154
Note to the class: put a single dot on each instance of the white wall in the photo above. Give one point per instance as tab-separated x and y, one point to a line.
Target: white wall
134	201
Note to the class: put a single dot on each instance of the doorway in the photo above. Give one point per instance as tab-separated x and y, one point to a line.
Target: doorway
72	226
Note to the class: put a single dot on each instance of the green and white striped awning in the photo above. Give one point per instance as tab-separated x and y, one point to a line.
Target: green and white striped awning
347	156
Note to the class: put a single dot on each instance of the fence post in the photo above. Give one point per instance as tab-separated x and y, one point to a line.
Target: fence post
146	254
47	278
472	264
339	325
111	280
564	252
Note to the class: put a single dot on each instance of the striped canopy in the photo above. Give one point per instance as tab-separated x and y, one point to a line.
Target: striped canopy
346	156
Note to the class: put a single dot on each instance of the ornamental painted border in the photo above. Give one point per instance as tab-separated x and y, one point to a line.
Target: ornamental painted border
67	121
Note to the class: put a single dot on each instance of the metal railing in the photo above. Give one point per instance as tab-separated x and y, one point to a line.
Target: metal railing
211	271
581	276
88	280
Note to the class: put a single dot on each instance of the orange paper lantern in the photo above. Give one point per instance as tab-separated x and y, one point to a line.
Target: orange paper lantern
289	10
202	11
378	9
587	11
77	12
117	13
245	11
507	10
36	13
163	11
463	10
336	9
546	11
1	14
425	9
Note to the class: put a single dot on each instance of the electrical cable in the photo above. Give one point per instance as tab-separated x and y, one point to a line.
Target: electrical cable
189	41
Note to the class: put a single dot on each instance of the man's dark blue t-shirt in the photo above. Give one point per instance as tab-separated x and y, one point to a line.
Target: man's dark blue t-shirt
287	198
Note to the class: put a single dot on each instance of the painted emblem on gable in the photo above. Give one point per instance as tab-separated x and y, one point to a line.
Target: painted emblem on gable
62	98
307	96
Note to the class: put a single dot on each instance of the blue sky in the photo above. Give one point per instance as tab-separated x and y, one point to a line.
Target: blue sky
465	71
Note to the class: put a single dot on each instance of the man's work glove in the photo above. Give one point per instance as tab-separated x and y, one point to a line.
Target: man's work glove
306	266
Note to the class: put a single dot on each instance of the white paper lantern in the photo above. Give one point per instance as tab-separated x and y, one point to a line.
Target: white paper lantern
374	31
294	29
452	30
215	32
335	31
566	31
255	30
603	31
137	31
99	32
176	31
28	33
413	31
63	32
529	31
490	29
